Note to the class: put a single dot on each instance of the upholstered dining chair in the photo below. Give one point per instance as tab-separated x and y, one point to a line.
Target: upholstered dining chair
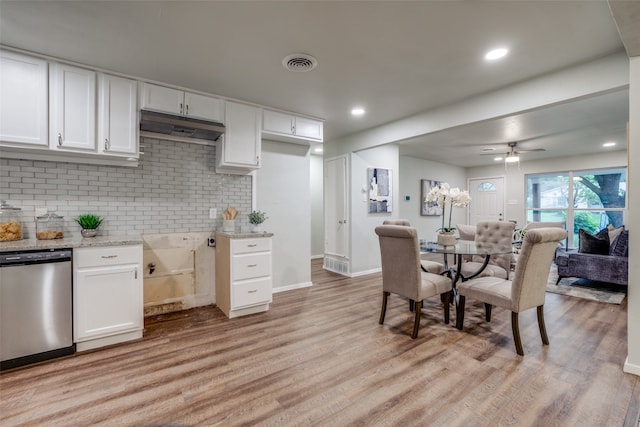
525	291
491	232
428	266
544	224
402	275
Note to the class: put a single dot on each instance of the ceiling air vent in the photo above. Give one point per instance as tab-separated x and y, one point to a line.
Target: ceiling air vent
299	62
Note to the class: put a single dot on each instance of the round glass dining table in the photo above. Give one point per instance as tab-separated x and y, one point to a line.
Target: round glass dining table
461	248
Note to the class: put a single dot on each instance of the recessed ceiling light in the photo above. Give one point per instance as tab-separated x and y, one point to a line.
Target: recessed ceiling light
494	54
497	159
487	150
318	150
609	144
358	111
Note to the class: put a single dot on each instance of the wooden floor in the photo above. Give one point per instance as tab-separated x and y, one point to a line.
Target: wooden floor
319	357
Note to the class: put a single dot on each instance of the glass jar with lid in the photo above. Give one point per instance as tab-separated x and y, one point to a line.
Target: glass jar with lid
10	222
49	226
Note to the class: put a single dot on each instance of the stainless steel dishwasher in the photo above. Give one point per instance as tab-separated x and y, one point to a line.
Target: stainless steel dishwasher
36	308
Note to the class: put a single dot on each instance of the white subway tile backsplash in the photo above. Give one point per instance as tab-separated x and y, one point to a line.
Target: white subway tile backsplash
171	190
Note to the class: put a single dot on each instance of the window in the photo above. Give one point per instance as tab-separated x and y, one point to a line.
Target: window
486	186
589	199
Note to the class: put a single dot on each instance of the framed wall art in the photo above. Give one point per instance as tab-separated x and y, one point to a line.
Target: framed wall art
428	208
380	190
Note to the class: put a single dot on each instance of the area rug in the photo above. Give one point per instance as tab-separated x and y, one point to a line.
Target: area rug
586	289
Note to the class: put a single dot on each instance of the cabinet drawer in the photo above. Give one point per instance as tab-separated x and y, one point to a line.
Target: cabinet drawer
242	246
251	292
250	265
107	255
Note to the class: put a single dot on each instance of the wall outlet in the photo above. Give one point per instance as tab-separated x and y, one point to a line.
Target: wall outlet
213	213
41	210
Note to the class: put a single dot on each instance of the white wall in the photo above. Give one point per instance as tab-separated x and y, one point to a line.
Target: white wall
633	309
515	186
283	193
317	206
365	252
413	170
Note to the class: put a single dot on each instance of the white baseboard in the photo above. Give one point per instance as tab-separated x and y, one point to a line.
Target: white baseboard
291	287
631	368
364	273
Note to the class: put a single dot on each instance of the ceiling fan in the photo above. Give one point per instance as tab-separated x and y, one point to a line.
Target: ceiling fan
512	155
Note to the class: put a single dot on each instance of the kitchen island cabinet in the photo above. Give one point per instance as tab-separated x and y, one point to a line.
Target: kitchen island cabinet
107	295
243	273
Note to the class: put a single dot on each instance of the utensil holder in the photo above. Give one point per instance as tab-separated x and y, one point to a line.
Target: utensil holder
229	225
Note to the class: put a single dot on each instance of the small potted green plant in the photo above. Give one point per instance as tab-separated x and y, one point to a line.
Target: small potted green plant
255	219
89	223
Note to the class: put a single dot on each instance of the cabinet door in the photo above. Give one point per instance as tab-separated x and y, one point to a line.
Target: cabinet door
23	103
204	107
242	136
308	128
72	108
117	119
277	122
108	300
163	99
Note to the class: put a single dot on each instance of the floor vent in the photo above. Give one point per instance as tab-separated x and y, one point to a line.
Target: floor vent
336	265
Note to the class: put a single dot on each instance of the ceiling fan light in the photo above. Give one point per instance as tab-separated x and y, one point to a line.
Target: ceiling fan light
512	158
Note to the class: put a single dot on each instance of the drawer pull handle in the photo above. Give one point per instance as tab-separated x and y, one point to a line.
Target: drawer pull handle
109	256
253	291
252	246
252	265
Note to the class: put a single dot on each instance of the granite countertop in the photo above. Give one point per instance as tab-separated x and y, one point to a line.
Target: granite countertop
70	242
243	235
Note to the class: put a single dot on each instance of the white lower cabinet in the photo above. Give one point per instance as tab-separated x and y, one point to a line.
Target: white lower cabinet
107	295
243	274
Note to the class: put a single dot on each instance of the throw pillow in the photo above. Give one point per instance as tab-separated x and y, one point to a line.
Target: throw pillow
613	232
590	244
620	245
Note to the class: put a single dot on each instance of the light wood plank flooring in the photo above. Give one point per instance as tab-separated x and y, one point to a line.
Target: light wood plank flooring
319	357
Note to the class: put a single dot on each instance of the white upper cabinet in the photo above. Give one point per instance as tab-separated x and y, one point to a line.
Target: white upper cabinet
23	100
238	150
117	124
289	128
168	100
72	108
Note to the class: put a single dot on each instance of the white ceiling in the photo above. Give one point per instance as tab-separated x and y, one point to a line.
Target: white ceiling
394	58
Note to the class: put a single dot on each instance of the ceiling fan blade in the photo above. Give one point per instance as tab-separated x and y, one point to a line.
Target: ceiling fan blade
530	151
493	154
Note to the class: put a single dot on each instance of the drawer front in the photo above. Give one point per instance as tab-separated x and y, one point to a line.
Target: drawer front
250	266
251	292
243	246
107	255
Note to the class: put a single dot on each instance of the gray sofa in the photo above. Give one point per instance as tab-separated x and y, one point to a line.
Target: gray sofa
611	268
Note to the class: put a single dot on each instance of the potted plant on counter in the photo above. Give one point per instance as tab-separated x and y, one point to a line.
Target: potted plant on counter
255	219
89	223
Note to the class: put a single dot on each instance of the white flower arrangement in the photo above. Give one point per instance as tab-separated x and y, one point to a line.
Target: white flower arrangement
454	197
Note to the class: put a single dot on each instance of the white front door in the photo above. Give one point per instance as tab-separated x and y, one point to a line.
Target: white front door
336	207
487	200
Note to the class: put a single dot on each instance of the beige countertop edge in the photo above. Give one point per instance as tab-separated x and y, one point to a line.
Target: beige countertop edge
70	242
243	235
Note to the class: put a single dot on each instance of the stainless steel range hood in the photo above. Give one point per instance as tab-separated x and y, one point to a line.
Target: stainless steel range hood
179	128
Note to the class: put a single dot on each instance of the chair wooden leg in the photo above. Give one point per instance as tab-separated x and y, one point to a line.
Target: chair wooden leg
416	322
460	312
385	295
558	281
543	329
412	305
516	333
445	301
487	312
